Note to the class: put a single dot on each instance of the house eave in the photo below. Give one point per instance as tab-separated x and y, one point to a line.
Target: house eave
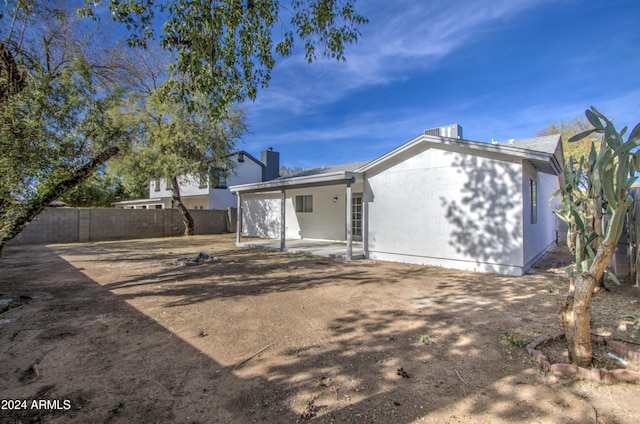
138	201
249	156
334	178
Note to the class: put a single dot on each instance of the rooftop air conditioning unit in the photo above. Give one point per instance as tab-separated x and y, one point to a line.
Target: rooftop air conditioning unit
449	131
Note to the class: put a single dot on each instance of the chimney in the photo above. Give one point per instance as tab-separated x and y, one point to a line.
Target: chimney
271	160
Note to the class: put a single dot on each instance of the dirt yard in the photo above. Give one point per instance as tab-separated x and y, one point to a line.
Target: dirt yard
118	332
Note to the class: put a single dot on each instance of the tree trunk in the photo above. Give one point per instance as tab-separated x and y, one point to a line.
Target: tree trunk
28	210
595	223
12	81
187	219
571	240
575	318
574	314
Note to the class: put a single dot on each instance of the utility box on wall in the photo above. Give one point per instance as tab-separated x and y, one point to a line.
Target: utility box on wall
449	131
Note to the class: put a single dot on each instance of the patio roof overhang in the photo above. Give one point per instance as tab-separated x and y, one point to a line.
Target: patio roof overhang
334	178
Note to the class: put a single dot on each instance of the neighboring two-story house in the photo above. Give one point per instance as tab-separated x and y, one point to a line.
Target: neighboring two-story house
212	193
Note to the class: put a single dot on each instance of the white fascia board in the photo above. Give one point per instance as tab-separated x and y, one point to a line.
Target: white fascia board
248	155
139	201
193	196
289	183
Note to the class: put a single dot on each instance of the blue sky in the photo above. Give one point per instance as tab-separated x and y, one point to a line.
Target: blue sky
501	69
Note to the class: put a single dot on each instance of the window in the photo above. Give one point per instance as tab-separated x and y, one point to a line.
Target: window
304	203
157	185
533	195
218	178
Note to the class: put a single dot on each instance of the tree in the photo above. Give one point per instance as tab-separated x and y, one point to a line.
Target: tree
577	154
53	137
286	171
58	125
224	49
611	169
222	52
102	189
568	128
179	143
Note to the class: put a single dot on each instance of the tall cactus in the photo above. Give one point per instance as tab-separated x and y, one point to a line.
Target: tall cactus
603	188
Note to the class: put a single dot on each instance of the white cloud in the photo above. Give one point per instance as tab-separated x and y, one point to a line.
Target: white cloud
402	37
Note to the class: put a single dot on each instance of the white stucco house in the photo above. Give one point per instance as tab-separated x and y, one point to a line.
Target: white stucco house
212	193
435	200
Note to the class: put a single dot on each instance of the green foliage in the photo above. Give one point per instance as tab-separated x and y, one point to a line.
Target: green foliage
54	124
49	133
174	141
425	340
567	129
57	129
102	189
224	49
60	126
513	340
603	189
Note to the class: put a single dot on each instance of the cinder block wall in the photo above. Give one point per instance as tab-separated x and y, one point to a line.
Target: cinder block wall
205	222
54	225
70	225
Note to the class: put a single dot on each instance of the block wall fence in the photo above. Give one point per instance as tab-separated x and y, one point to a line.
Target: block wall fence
72	225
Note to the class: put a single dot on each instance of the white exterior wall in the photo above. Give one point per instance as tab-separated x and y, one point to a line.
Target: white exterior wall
261	215
145	204
327	221
538	237
446	208
189	186
199	202
246	172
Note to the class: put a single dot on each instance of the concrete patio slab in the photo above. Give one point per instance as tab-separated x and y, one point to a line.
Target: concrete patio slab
327	249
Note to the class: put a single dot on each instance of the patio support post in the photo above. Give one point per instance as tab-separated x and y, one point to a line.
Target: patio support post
283	227
239	218
349	222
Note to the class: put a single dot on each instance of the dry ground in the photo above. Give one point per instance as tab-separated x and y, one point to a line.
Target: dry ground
125	335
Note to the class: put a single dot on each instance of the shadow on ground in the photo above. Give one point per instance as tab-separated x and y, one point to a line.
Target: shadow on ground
127	336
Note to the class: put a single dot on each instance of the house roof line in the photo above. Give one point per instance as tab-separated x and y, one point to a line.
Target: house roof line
247	154
509	150
341	177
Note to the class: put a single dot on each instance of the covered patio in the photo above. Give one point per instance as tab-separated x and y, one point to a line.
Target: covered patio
279	217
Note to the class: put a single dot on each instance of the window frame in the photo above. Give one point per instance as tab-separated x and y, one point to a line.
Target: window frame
533	201
304	203
218	178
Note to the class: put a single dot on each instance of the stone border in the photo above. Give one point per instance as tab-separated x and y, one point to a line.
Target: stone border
596	374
